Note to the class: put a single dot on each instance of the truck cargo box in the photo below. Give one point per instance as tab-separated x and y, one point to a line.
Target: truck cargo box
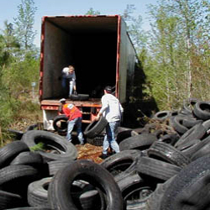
102	53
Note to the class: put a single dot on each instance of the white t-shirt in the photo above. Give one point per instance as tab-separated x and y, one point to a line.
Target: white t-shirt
111	108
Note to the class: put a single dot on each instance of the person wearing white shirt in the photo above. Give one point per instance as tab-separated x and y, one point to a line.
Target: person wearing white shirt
112	111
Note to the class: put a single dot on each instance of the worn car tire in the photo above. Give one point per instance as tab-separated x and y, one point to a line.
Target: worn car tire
95	128
63	120
168	153
38	193
63	148
59	190
190	188
10	151
156	168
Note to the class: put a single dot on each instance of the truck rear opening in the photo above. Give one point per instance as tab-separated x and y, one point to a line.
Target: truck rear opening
100	50
89	44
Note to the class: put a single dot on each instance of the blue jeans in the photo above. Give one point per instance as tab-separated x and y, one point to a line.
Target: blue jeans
109	139
71	124
67	84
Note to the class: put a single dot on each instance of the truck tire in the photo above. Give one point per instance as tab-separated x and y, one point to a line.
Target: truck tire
95	127
62	149
59	194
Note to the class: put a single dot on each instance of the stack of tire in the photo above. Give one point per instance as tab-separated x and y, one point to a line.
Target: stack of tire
165	169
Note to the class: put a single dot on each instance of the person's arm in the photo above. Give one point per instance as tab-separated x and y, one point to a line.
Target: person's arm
105	105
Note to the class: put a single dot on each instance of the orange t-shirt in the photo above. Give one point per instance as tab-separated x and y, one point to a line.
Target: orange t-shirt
71	113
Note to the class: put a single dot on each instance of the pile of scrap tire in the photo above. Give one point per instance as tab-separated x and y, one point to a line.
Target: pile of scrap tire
163	166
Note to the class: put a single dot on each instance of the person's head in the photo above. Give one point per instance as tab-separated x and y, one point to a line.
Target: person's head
108	89
62	101
71	69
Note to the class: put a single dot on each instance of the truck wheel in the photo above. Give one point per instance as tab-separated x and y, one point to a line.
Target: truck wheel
95	127
60	187
58	146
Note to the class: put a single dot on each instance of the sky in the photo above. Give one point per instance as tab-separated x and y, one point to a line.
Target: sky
9	10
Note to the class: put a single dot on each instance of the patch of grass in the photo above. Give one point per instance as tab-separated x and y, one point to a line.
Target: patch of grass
38	147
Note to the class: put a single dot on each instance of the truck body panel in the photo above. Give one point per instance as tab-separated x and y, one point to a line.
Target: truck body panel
102	53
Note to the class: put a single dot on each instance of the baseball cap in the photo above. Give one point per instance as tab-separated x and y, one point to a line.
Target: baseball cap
108	88
62	100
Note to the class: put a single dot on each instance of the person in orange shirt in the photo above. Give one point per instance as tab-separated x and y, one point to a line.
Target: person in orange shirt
74	119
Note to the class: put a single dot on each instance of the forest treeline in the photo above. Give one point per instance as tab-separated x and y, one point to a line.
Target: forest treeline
174	55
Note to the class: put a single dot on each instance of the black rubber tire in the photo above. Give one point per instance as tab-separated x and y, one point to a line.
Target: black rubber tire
96	141
19	176
63	148
162	115
10	151
59	190
123	133
168	153
135	191
9	200
28	158
38	193
63	119
177	124
196	132
120	162
95	128
202	110
203	151
171	138
189	123
156	168
154	201
55	166
141	142
190	188
79	97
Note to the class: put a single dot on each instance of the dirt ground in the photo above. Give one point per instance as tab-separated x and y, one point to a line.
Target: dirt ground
89	152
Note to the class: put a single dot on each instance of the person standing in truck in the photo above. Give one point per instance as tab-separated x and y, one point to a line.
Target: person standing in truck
112	110
69	79
74	119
